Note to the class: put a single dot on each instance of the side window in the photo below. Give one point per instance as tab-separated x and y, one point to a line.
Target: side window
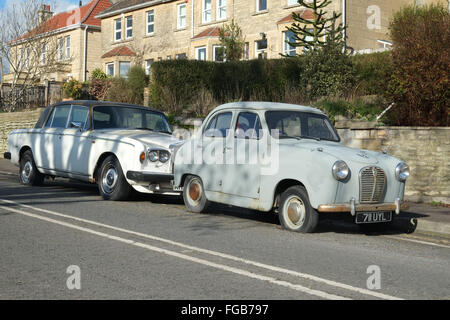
42	118
60	117
78	117
318	127
219	125
48	123
248	126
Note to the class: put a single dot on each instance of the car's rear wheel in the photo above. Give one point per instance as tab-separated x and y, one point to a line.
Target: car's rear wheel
295	211
111	181
194	194
28	172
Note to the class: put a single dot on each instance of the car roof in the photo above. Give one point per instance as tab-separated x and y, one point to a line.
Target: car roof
261	105
103	103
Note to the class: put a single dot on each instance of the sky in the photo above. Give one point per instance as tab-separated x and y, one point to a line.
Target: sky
56	5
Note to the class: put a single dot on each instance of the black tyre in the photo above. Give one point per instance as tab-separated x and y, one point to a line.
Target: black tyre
194	195
28	172
111	181
295	212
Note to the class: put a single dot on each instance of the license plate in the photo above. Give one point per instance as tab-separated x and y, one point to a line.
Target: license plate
373	217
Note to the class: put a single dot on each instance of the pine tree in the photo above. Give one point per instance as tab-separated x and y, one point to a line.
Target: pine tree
319	31
232	41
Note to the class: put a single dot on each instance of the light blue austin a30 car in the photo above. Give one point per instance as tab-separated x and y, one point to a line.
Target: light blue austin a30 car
267	156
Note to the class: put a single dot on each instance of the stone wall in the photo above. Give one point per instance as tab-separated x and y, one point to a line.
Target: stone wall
425	149
15	120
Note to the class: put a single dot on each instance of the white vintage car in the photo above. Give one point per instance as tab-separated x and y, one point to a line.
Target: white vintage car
267	156
119	146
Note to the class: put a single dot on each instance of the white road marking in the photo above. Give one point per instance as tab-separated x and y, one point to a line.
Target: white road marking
297	287
8	173
215	253
419	241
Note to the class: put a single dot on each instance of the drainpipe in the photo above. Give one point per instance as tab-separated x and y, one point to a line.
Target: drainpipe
85	54
344	22
192	20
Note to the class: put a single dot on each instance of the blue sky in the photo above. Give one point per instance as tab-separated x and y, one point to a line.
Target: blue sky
57	5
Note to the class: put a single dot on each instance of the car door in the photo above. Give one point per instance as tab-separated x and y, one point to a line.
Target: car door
214	141
242	172
53	138
76	143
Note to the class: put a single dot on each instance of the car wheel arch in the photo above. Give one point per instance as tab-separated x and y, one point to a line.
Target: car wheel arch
282	186
99	162
23	150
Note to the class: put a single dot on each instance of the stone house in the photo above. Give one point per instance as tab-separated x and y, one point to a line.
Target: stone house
73	38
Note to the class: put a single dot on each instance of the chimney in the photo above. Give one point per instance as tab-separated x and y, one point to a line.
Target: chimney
44	13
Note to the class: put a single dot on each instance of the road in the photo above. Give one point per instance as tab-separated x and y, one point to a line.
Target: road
152	248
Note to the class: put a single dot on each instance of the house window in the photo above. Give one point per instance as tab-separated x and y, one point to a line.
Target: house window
27	58
68	47
60	48
218	54
169	58
43	54
207	11
247	51
308	38
181	56
200	53
292	2
181	20
288	49
261	49
148	66
129	27
124	68
150	22
261	5
221	9
118	29
110	69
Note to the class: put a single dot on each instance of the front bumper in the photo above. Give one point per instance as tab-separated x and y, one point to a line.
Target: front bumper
149	177
7	155
352	207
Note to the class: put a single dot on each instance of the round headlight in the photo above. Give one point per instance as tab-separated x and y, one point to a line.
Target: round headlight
402	171
164	156
153	156
340	170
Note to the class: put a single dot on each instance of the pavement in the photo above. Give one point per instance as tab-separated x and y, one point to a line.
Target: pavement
419	218
63	241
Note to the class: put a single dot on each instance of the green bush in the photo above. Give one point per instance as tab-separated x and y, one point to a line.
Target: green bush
353	109
421	58
98	74
137	81
177	84
73	89
119	91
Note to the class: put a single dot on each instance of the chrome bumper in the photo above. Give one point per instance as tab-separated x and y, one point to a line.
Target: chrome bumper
352	207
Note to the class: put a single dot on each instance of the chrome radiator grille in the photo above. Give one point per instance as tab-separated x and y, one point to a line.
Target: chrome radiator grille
372	181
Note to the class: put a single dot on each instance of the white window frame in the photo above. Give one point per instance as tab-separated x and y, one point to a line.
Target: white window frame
43	54
147	15
27	57
221	6
68	43
60	49
124	62
148	66
113	69
257	52
287	48
181	19
206	11
197	50
291	3
128	28
214	53
117	31
258	9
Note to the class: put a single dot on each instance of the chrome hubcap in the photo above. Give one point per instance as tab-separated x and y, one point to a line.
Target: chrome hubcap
295	212
195	192
109	180
26	172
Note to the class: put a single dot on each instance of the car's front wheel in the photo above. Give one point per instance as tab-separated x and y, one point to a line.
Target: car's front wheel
295	211
194	195
28	172
111	181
